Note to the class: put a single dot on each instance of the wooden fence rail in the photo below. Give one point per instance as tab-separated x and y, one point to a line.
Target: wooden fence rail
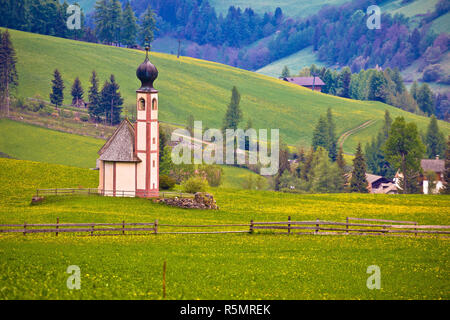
290	227
104	192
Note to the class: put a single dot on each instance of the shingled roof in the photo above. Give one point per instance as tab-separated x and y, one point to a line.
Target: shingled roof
435	165
305	81
120	146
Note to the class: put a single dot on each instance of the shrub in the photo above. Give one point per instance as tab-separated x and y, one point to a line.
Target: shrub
166	182
46	111
194	184
84	118
213	174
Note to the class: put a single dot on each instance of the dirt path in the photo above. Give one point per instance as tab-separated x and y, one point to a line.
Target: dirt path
347	134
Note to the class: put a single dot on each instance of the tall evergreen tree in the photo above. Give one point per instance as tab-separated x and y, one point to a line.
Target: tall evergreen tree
387	124
326	176
404	150
345	78
148	26
77	92
234	113
332	140
111	101
414	89
434	140
8	73
129	26
358	181
446	188
321	134
378	87
94	98
57	94
115	16
102	20
425	99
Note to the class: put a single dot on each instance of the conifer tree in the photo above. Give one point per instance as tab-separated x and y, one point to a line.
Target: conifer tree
434	140
332	141
285	73
115	16
111	101
129	26
321	134
234	113
77	92
8	72
446	188
414	89
425	99
358	181
148	26
94	98
57	95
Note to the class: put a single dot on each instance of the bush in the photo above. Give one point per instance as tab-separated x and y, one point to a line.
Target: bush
46	111
84	118
166	182
213	174
194	185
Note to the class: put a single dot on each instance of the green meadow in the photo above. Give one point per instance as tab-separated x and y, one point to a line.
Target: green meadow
201	88
241	266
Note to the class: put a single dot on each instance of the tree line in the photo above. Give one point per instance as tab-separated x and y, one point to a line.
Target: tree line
379	85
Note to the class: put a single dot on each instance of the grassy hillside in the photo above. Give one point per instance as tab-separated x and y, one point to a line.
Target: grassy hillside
194	86
210	266
295	62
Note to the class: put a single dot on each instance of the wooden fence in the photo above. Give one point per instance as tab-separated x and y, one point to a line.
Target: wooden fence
289	227
96	191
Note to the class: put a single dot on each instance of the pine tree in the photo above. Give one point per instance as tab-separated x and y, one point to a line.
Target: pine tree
414	90
94	98
446	188
321	134
234	113
148	26
111	101
8	73
404	150
378	87
102	19
129	26
57	95
358	181
345	78
387	124
425	99
332	140
115	16
285	73
77	92
434	140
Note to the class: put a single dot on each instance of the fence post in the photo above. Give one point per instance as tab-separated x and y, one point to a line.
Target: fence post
251	227
317	225
92	230
346	227
56	192
156	226
89	191
289	225
24	228
123	227
57	227
415	229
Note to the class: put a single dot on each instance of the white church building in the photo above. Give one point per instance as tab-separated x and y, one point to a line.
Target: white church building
129	160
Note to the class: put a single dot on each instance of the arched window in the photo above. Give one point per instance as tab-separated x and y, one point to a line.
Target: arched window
154	104
141	106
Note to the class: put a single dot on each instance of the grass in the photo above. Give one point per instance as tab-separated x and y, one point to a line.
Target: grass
212	267
295	62
195	86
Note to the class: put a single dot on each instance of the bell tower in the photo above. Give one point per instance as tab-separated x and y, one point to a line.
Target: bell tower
147	131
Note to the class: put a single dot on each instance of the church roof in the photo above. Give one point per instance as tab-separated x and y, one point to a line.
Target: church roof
120	146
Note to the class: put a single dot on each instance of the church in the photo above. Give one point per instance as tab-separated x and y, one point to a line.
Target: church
129	160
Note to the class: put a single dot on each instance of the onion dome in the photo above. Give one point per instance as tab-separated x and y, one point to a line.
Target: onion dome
147	73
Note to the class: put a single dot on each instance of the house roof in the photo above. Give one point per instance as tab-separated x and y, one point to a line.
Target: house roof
435	165
371	178
120	146
305	81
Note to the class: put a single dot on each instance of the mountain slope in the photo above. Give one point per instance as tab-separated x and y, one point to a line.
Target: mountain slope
191	86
